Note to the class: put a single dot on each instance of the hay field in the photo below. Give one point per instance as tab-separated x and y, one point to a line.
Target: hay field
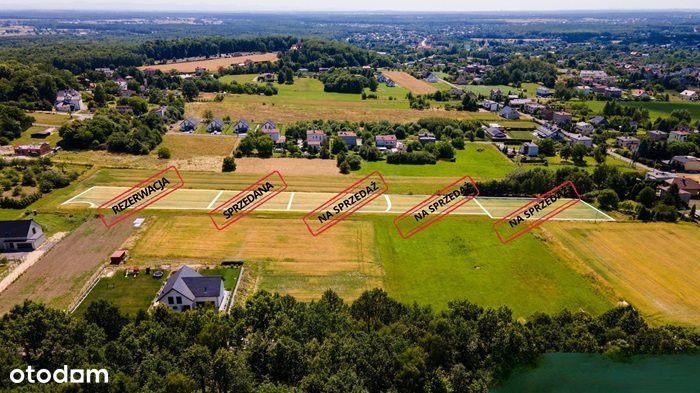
211	64
407	81
279	256
654	266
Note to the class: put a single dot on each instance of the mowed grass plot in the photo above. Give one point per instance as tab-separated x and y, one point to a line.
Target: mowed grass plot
129	294
279	253
461	258
656	108
229	275
653	266
480	161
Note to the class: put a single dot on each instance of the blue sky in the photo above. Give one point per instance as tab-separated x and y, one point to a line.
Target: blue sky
346	5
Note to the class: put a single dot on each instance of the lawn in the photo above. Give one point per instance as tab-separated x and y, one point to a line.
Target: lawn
242	78
656	109
26	137
130	294
480	161
653	266
461	258
52	119
556	162
485	90
229	274
521	135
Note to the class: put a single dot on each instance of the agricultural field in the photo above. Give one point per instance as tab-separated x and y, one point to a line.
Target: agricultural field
480	161
656	109
407	81
60	274
131	294
653	266
211	64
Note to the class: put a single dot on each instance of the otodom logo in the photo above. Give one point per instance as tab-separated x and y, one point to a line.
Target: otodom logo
61	375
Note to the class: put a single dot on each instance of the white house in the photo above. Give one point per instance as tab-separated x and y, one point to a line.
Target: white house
386	141
584	140
689	95
584	128
509	113
20	235
68	100
529	149
187	289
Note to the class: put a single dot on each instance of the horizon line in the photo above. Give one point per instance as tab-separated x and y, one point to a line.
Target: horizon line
351	11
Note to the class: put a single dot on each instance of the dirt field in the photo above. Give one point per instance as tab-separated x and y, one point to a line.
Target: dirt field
653	266
276	252
407	81
58	277
212	64
286	165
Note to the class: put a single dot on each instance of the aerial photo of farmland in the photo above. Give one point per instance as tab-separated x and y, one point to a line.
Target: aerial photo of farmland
371	197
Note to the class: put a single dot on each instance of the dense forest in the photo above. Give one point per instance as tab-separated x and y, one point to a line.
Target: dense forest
278	344
32	86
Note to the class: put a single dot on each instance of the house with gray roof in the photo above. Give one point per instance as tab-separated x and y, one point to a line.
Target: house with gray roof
20	235
187	289
215	126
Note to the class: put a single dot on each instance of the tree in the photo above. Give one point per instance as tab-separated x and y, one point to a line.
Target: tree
99	96
189	90
229	164
565	152
647	197
338	145
208	115
265	146
578	152
546	147
107	316
608	199
344	167
600	153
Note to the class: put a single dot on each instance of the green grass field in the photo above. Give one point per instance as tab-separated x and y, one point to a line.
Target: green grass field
26	137
479	161
461	258
528	88
130	294
229	274
656	109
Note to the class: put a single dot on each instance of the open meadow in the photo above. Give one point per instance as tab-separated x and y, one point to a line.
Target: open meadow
211	64
653	266
656	108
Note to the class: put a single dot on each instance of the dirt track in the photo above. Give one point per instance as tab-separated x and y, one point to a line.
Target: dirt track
60	274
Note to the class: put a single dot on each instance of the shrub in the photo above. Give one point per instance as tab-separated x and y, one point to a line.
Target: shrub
608	199
229	165
163	153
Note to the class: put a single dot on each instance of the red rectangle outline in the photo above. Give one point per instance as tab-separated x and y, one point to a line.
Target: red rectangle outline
535	223
439	216
352	210
251	207
145	204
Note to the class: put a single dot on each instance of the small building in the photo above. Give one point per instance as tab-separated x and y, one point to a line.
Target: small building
657	136
678	135
68	100
518	102
349	137
549	132
241	127
489	105
583	128
315	137
273	133
386	141
686	184
117	257
613	92
686	163
390	82
627	142
432	78
639	94
269	125
36	150
187	289
599	121
533	108
43	133
529	149
583	90
509	113
659	176
20	235
266	77
426	137
543	92
496	94
189	124
689	95
495	133
561	117
215	126
582	139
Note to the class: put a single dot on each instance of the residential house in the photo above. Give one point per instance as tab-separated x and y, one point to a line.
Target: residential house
315	137
426	137
509	113
639	94
656	135
659	176
584	90
269	125
20	235
491	106
689	95
678	135
68	100
242	126
381	78
627	142
549	132
686	163
582	139
532	108
547	113
215	126
189	124
543	92
517	102
495	133
496	94
529	149
349	137
386	141
390	82
583	128
432	78
599	121
596	76
687	188
561	117
187	289
273	133
33	150
613	92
